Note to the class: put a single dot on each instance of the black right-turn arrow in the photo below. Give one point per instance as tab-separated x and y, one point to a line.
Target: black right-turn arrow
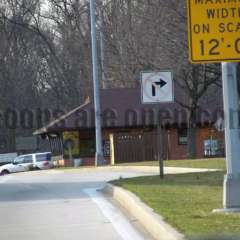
161	83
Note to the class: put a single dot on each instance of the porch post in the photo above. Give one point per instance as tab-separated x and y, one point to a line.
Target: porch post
112	149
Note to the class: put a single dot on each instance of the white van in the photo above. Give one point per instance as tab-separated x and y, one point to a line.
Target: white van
28	162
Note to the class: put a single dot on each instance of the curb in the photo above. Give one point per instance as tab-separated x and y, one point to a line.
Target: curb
153	222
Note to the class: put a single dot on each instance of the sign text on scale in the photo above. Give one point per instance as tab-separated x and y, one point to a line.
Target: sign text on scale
214	30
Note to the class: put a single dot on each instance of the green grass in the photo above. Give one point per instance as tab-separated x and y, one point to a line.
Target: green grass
212	163
186	201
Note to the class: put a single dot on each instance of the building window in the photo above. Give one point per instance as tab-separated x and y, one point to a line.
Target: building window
182	136
213	148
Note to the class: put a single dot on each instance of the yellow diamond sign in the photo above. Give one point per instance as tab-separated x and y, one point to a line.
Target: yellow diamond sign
214	30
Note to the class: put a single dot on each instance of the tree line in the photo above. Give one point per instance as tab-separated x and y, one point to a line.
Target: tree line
45	54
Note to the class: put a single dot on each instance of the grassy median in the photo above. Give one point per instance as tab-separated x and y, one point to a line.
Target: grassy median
186	202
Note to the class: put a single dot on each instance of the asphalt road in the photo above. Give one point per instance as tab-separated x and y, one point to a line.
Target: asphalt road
62	205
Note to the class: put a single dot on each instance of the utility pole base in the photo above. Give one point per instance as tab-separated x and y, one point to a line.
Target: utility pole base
231	192
99	160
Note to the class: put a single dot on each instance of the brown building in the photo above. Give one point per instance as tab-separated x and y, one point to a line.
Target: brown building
130	130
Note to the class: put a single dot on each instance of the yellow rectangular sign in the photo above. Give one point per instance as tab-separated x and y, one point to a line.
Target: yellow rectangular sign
214	30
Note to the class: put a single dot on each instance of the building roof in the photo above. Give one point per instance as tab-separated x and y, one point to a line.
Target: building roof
122	108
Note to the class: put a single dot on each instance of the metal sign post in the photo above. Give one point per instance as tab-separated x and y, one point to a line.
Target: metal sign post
160	148
231	197
157	87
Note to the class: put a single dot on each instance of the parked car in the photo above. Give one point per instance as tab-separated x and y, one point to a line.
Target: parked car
43	160
28	162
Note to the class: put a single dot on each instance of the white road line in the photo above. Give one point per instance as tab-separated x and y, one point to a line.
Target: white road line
4	179
118	220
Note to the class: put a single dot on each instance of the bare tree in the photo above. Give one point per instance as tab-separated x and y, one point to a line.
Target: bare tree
45	52
152	35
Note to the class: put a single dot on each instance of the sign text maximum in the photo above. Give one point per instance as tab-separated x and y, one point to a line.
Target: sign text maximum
214	30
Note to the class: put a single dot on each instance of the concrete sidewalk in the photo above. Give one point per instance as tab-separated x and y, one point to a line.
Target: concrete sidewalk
144	169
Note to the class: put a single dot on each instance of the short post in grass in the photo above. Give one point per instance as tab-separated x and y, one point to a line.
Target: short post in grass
231	196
